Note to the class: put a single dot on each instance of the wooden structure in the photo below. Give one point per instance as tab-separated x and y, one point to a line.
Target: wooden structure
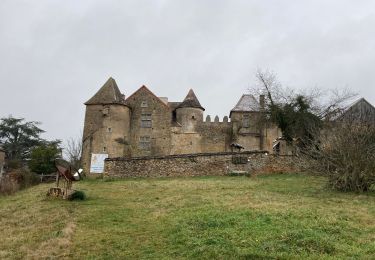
64	182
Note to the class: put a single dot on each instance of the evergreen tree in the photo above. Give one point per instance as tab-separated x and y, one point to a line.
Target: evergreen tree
18	137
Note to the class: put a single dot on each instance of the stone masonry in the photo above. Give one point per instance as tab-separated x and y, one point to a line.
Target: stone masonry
198	165
144	125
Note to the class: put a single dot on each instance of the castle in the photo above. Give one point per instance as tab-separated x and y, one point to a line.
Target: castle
144	124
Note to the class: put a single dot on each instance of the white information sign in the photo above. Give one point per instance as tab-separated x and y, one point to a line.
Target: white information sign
97	162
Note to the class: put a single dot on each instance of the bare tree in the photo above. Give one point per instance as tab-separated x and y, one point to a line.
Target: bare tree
322	103
73	151
345	153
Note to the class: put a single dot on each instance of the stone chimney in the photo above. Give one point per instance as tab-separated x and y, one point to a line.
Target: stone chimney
261	102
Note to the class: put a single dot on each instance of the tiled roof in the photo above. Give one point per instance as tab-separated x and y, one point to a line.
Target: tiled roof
109	93
191	100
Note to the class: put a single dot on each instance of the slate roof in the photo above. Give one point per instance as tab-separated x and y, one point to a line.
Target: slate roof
191	100
109	93
247	103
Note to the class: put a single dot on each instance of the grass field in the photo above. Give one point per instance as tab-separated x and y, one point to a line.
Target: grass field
277	216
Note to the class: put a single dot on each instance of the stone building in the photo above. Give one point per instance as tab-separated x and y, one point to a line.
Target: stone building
144	124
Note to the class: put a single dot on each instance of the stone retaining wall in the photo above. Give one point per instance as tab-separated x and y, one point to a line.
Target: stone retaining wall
198	165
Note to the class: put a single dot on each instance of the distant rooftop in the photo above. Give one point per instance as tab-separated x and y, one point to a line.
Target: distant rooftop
247	103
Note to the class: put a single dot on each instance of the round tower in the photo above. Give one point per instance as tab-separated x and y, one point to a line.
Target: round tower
189	113
107	124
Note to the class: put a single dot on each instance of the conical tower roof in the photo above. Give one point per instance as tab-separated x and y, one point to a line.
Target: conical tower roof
109	93
191	100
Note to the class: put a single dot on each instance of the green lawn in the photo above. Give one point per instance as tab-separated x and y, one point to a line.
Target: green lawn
277	216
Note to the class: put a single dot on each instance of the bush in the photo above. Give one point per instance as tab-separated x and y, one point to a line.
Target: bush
14	164
346	154
42	159
24	178
77	195
8	186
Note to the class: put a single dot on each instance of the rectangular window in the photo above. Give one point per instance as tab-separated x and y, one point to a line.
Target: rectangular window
246	121
144	104
145	142
146	121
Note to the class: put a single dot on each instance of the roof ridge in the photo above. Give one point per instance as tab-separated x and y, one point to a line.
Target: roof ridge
148	90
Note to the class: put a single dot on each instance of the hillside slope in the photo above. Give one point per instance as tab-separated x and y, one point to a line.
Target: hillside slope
277	216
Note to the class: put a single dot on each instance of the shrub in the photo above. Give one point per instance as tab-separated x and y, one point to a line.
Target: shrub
77	195
24	178
42	159
346	154
8	186
14	164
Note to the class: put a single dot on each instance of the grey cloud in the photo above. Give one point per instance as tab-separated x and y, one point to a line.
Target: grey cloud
56	54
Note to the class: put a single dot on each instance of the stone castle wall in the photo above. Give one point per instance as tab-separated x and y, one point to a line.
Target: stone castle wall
198	165
216	136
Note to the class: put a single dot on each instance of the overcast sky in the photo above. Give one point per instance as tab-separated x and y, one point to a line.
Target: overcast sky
54	55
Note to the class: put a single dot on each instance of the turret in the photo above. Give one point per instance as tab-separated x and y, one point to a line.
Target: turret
189	113
107	124
247	122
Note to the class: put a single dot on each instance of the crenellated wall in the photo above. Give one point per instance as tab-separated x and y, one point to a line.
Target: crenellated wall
216	136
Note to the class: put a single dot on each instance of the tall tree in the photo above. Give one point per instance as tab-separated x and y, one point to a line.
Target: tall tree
42	158
18	137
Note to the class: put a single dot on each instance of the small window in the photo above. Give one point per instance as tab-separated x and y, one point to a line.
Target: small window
193	117
104	149
105	111
109	130
145	142
144	104
246	121
146	121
